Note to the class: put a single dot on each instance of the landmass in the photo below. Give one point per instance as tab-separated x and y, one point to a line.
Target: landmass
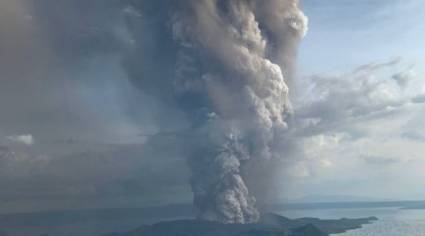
269	225
95	222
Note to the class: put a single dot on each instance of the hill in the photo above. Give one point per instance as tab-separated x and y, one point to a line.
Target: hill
269	225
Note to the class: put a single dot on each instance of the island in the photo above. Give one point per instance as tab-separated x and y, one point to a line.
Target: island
269	225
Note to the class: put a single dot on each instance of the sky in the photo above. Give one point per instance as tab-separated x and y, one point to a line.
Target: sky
77	132
375	155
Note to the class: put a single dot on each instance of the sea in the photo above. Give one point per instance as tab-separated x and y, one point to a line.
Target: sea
391	221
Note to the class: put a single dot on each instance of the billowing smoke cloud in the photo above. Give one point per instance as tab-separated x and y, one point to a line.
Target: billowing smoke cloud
225	64
210	89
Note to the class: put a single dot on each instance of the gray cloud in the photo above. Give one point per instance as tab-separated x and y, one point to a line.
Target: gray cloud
419	98
369	92
403	78
413	135
62	82
118	94
106	173
223	65
382	161
337	114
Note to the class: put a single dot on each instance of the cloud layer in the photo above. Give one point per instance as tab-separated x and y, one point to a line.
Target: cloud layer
81	92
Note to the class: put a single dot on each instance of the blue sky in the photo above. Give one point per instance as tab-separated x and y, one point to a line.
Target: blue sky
377	157
344	34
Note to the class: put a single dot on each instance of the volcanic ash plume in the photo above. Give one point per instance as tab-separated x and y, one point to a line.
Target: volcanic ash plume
231	62
240	46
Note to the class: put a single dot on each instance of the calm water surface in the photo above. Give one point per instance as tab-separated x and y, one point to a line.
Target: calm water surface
392	221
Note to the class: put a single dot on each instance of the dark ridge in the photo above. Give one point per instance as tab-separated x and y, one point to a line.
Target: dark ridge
269	225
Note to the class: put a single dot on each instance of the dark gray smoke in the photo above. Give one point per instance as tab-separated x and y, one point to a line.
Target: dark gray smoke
225	64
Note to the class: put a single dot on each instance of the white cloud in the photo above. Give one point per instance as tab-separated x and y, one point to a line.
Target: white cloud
341	101
26	139
403	78
325	163
299	170
357	120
